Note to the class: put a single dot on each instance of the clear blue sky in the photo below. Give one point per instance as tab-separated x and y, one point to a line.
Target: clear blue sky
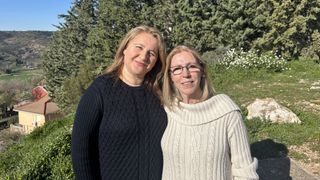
23	15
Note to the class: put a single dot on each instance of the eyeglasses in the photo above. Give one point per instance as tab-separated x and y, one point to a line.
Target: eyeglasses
176	70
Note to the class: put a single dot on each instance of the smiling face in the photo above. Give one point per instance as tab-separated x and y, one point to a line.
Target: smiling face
140	56
188	82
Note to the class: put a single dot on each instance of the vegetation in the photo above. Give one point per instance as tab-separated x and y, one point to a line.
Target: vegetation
251	59
87	40
21	49
17	87
45	153
20	66
85	44
291	88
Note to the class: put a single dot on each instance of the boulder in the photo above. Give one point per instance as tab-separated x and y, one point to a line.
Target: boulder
269	109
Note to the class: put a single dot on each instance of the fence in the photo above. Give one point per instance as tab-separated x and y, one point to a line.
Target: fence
5	123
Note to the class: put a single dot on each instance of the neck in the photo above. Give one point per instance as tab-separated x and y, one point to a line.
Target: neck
192	99
131	80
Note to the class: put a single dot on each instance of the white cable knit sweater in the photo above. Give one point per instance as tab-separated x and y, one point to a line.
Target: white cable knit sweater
207	141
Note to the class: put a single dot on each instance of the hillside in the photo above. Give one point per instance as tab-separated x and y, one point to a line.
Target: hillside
45	153
22	49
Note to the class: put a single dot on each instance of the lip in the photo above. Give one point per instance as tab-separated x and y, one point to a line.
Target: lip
187	82
141	63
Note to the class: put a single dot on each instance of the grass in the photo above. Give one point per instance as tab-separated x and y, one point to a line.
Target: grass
46	151
290	88
24	75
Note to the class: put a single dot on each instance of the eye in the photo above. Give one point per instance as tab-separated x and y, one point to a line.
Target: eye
176	70
193	68
152	54
138	46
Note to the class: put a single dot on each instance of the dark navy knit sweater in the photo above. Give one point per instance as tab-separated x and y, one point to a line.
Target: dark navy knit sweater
117	132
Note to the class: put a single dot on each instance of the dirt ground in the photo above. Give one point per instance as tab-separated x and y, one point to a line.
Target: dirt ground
312	161
7	138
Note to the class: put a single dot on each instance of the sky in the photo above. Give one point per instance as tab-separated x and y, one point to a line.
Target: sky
24	15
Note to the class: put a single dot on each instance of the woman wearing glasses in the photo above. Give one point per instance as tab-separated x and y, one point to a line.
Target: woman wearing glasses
205	138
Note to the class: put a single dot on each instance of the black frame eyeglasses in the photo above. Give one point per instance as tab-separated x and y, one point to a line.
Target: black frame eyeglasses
176	70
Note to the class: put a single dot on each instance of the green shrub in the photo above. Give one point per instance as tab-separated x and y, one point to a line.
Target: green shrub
251	59
44	154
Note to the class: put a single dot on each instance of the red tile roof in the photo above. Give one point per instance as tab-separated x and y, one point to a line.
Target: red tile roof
42	106
39	92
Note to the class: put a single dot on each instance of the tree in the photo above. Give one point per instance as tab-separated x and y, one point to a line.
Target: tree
290	24
11	93
66	51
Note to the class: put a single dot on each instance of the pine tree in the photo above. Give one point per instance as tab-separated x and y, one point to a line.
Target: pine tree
290	24
233	23
65	53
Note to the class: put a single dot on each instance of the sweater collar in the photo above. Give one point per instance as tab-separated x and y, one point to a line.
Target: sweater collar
203	112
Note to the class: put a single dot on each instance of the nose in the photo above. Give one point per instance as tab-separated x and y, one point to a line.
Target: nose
144	55
185	72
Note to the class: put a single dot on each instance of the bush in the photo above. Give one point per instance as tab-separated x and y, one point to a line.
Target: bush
8	71
44	154
251	59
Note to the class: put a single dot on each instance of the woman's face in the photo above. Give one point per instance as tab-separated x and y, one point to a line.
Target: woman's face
186	75
140	56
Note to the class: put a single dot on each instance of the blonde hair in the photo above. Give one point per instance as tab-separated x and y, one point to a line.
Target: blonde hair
170	93
151	79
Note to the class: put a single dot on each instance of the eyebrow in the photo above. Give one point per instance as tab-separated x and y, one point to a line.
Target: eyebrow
154	51
185	64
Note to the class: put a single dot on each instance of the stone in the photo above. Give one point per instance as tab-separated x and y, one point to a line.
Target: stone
269	109
315	85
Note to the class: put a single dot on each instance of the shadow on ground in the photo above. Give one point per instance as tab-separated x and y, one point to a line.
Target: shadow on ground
274	164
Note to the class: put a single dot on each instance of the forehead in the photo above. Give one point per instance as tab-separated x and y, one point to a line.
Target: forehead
183	58
145	38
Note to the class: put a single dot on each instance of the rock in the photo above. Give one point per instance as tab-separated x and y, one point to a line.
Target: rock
269	109
302	81
315	88
315	85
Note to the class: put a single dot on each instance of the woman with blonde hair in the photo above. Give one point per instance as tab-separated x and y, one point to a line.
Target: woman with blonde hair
119	121
205	138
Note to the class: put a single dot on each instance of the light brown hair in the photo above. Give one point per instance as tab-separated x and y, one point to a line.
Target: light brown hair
151	79
170	93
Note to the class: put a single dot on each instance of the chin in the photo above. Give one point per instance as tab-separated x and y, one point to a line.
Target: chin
186	93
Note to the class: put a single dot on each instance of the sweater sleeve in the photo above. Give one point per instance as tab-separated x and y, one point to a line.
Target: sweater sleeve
84	142
242	164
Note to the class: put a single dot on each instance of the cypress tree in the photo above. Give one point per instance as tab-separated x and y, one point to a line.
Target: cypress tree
290	26
65	53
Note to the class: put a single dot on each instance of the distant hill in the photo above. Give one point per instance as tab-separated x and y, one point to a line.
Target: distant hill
22	49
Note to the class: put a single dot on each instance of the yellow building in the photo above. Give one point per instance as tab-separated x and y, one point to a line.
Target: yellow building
35	114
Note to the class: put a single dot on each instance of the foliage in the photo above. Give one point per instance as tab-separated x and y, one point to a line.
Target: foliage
44	154
251	59
192	24
86	43
289	26
11	93
19	49
66	51
290	88
313	51
232	23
